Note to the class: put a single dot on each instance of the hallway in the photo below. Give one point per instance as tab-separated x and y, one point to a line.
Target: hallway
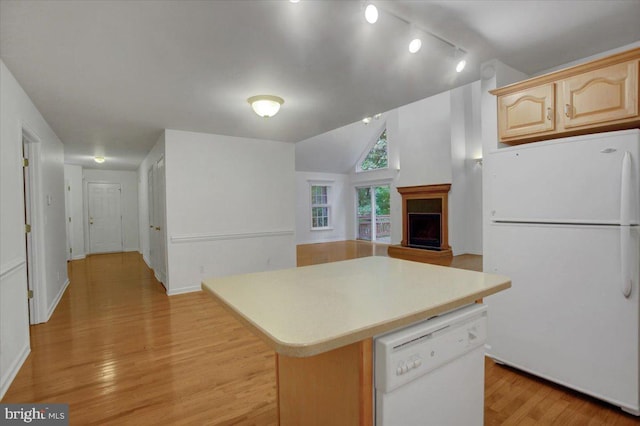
119	351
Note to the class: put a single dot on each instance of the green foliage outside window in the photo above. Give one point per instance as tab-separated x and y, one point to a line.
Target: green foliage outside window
377	157
382	200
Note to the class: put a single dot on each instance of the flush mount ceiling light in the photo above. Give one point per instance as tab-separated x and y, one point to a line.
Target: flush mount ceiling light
98	160
265	105
371	13
415	45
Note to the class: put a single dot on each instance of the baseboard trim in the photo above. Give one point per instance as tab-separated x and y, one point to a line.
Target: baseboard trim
54	305
183	290
79	257
323	240
13	370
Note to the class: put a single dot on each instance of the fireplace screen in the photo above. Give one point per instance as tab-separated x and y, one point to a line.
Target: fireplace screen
425	230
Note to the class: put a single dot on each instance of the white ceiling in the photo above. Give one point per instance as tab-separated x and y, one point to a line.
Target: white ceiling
108	76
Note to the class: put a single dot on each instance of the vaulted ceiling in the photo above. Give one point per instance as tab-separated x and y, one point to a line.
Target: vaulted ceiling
108	76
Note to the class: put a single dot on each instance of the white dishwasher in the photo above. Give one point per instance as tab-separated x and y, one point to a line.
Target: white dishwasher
432	373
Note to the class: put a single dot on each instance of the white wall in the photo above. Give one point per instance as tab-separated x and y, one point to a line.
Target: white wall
465	198
73	179
230	207
48	224
128	181
425	141
339	199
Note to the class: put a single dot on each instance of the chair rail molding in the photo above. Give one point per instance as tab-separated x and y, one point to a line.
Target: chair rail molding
192	238
12	266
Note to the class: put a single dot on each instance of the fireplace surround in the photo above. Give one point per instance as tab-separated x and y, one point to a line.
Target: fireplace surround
425	236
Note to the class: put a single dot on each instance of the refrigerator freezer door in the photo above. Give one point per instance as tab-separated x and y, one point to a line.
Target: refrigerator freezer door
572	180
565	318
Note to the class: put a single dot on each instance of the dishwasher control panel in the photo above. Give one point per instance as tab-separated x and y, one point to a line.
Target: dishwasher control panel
406	354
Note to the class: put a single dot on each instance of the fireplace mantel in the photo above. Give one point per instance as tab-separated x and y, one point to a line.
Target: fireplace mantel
424	199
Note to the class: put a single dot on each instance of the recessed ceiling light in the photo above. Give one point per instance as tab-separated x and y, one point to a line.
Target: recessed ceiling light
415	45
366	120
265	105
98	160
371	13
294	1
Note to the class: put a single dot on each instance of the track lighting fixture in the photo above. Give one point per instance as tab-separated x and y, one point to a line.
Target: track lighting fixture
371	15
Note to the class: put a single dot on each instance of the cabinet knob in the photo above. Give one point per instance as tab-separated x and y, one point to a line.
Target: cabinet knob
567	110
157	228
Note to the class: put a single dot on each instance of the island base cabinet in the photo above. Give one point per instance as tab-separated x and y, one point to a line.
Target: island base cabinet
332	388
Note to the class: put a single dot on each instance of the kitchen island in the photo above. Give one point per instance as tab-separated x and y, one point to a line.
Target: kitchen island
320	321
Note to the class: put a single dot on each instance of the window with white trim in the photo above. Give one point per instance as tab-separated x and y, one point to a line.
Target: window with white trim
320	206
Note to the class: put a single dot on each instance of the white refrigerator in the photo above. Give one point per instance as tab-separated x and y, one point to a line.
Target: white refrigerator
564	218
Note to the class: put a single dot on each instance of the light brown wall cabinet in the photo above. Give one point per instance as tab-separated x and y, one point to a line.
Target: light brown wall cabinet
598	96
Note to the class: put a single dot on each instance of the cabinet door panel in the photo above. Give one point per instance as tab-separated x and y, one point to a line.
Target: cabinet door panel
527	112
599	96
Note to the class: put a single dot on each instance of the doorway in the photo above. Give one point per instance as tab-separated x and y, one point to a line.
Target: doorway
105	217
373	213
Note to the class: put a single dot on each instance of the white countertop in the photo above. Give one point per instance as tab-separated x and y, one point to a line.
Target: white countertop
308	310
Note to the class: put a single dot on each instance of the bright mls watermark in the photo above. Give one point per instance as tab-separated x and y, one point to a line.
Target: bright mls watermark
34	414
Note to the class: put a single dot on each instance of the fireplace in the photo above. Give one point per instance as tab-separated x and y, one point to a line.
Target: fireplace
425	230
424	225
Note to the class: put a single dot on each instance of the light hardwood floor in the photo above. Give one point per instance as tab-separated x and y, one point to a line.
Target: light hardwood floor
119	351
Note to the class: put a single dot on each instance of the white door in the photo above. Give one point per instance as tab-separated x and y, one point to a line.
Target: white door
67	210
29	243
151	207
105	217
159	219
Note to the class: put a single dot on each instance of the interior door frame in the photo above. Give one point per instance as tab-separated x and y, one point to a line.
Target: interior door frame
87	214
34	240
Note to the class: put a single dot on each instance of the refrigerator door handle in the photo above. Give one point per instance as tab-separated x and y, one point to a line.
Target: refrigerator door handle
625	190
625	263
625	220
